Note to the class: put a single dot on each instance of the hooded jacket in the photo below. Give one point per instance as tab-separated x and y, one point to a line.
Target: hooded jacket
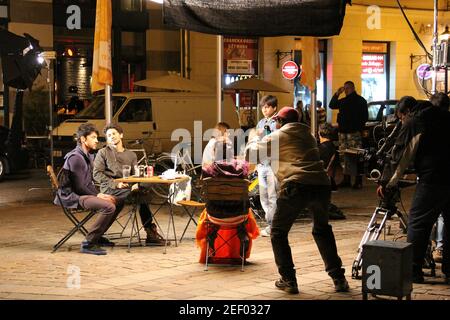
423	141
294	155
77	181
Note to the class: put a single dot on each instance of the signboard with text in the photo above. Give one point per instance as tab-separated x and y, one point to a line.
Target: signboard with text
240	55
372	63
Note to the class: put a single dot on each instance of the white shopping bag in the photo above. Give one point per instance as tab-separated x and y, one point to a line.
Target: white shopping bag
180	191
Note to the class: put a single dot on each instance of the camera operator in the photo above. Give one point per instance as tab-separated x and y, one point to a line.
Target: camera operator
391	151
423	141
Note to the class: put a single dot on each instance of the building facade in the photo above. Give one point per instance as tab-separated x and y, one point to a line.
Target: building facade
376	49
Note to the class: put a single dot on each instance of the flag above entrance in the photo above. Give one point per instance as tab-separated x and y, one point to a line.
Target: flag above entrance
264	18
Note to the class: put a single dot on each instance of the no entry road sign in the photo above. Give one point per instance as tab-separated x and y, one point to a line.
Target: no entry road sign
290	70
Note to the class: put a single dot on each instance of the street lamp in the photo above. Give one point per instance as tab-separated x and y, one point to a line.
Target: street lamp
48	57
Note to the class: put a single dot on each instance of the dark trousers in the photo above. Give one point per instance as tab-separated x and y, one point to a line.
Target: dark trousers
144	210
107	212
293	198
428	202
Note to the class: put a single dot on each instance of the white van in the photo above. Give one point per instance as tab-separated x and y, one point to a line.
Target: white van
151	117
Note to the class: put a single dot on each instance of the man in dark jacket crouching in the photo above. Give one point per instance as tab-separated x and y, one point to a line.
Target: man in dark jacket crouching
296	162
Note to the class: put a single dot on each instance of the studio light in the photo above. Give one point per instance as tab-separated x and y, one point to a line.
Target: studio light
19	59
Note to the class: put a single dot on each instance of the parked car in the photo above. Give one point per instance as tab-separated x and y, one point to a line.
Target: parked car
11	162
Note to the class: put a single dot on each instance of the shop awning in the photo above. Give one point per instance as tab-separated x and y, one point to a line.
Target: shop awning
265	18
174	83
255	84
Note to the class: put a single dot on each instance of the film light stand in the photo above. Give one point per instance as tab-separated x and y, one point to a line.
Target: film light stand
48	56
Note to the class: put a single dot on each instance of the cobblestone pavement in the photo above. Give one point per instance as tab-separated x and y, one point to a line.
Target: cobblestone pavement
28	269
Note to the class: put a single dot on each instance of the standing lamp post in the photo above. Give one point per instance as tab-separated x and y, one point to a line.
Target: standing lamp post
48	56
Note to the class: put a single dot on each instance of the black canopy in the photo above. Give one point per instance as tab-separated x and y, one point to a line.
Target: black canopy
263	18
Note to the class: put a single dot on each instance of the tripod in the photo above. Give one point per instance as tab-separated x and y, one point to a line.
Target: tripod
382	213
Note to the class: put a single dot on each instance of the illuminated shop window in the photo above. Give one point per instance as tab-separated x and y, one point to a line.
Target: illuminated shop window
374	71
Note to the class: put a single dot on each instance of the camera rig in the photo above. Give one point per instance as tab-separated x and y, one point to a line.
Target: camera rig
387	206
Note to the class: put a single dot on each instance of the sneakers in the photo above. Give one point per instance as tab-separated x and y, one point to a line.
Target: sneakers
154	238
341	285
290	286
437	255
265	232
105	242
91	248
334	213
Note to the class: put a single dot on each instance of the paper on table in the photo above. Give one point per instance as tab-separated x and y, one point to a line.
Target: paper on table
171	174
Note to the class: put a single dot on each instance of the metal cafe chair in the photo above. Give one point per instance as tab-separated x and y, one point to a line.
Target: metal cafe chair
227	208
190	207
183	197
69	213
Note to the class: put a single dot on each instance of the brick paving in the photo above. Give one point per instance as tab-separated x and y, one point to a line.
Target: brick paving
28	269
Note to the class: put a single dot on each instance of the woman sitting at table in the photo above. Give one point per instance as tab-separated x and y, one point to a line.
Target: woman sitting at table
108	166
219	147
219	162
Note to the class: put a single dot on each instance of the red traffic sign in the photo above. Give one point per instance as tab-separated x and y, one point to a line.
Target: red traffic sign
290	70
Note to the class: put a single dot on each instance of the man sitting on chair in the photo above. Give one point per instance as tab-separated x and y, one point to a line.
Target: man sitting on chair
77	190
108	167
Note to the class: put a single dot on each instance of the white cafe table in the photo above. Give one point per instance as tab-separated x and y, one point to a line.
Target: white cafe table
150	181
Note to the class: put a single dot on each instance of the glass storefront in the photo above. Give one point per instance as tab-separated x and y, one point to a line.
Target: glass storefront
133	60
374	71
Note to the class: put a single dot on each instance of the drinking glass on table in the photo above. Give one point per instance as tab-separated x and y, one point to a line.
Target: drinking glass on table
126	171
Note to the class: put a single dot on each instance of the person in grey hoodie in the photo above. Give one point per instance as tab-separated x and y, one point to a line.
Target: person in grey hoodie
77	190
304	183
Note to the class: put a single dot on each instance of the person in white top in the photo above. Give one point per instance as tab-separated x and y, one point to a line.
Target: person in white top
268	183
220	147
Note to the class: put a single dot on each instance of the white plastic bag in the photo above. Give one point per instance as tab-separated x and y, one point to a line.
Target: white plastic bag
180	191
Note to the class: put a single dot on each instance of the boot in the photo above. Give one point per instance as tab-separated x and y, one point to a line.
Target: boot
347	183
153	237
358	183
